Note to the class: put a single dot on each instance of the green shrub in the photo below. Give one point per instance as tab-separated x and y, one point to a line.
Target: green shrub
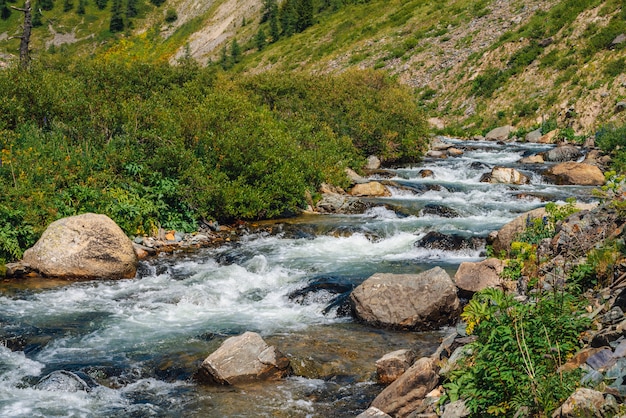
514	361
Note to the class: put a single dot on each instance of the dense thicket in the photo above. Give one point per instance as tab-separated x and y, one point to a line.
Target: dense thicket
156	145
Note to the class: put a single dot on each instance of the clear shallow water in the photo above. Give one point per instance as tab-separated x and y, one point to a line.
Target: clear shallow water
135	344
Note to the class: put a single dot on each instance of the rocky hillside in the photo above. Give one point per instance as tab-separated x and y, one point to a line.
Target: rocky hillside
473	64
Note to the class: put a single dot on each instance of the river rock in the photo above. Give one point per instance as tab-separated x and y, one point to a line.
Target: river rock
241	359
63	381
582	403
549	138
439	210
456	409
532	159
372	412
391	366
438	241
373	163
500	133
407	393
505	175
455	152
341	204
506	235
425	173
371	189
533	136
83	246
575	174
407	301
474	276
354	177
562	153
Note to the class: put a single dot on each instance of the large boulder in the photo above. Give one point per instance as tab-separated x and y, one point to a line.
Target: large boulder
242	359
505	175
575	174
371	189
407	301
500	133
341	204
533	136
563	153
407	393
507	234
474	276
83	246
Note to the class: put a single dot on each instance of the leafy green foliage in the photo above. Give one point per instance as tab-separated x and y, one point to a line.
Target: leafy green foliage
156	145
514	362
612	140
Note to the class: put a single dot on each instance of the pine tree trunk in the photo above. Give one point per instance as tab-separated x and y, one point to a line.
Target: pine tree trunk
28	26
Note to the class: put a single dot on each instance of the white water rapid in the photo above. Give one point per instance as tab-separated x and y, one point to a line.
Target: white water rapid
129	348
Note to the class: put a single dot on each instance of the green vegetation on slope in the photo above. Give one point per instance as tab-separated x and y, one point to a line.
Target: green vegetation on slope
155	145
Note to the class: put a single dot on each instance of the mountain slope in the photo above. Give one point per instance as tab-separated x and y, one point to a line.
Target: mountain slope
473	64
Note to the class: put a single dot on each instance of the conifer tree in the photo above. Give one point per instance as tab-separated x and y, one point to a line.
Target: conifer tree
225	62
81	7
68	5
304	11
37	15
117	22
5	12
274	27
260	39
102	4
46	4
288	17
270	7
131	9
235	51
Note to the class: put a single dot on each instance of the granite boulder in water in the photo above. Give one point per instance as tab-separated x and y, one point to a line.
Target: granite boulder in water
407	301
84	246
242	359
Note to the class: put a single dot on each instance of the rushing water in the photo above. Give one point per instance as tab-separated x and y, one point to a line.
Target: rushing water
130	347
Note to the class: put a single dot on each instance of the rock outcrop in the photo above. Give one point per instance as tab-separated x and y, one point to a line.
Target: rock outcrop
407	301
370	189
85	246
392	365
500	133
562	153
242	359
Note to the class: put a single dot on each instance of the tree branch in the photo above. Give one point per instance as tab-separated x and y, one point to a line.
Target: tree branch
19	9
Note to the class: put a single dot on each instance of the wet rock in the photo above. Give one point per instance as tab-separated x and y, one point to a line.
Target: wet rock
455	152
500	133
63	381
407	393
392	365
373	163
407	301
372	412
439	210
477	165
426	173
18	270
571	173
241	359
438	241
533	136
341	204
505	175
582	403
330	290
474	276
84	246
562	153
436	154
371	189
533	159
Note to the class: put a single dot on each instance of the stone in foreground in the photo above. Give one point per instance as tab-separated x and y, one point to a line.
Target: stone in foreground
474	276
85	246
391	366
243	359
407	393
372	412
407	301
582	403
